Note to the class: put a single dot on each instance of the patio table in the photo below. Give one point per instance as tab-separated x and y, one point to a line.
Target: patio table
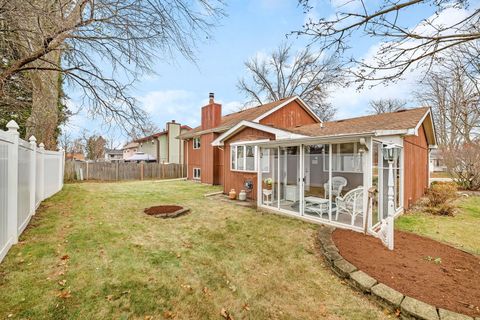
317	205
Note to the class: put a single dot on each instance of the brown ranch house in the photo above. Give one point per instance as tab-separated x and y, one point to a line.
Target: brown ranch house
291	162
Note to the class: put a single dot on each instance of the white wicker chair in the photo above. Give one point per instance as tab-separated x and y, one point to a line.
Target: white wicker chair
337	185
351	203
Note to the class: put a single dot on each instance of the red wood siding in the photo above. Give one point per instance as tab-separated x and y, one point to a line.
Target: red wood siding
193	158
236	179
291	115
415	167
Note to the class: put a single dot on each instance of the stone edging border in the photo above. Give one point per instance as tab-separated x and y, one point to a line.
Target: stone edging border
390	298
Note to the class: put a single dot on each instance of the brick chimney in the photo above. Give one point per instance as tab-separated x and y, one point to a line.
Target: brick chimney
211	113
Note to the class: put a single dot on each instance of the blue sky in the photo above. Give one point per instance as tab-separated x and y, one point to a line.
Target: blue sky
179	88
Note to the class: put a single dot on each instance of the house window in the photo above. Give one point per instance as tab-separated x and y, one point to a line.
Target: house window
196	173
196	143
345	158
243	158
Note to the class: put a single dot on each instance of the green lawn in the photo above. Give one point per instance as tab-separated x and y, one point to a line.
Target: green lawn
461	231
90	253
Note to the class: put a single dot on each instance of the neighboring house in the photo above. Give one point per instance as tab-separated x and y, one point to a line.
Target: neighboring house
112	155
74	156
289	161
129	149
437	164
165	146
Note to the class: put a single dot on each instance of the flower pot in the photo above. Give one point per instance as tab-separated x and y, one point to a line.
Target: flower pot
232	194
242	196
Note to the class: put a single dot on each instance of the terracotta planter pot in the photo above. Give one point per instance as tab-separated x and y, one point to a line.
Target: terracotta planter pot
232	194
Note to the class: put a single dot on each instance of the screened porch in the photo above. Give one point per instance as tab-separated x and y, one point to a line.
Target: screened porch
328	182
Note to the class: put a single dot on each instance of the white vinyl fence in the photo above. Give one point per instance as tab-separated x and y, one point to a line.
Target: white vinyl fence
28	175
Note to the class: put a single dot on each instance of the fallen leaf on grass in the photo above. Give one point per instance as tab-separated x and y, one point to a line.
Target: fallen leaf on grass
64	294
246	307
169	314
187	287
206	291
65	257
225	314
62	282
109	297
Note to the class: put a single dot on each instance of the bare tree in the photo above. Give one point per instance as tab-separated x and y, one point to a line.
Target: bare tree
452	94
463	163
65	141
92	44
95	147
386	105
306	74
403	47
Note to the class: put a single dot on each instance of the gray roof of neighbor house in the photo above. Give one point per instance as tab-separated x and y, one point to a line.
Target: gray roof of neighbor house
401	120
230	120
158	134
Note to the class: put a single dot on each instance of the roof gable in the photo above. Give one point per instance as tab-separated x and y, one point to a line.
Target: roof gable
254	114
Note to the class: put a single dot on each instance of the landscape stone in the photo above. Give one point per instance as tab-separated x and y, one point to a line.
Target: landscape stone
418	309
332	256
343	268
450	315
330	248
363	281
389	296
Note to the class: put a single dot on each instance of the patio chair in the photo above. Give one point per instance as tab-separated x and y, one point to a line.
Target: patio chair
351	203
337	185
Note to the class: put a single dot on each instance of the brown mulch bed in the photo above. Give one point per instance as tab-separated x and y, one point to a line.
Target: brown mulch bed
418	267
162	209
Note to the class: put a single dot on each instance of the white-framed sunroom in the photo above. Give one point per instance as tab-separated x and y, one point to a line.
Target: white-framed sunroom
327	179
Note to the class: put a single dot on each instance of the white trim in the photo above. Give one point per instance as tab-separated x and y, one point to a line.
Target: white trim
279	133
248	142
308	218
421	122
305	106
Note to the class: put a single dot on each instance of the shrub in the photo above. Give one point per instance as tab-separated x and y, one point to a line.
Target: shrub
440	197
463	163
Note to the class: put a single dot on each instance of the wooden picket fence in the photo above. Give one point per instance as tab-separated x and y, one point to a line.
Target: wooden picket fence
117	171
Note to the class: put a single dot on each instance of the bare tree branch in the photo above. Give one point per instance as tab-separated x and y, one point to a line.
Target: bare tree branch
306	74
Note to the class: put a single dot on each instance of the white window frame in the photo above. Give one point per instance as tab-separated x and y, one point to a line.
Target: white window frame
196	143
197	176
234	160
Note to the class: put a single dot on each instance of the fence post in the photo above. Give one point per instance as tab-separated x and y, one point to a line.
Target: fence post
33	173
116	170
86	178
141	170
12	190
41	172
60	168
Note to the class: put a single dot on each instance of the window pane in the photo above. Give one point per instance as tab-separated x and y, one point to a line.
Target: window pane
250	158
233	156
265	160
240	157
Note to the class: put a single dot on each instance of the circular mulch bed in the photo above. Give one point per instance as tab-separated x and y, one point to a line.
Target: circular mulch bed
418	267
166	211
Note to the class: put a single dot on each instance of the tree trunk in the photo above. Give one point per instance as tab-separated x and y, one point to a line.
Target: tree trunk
43	121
